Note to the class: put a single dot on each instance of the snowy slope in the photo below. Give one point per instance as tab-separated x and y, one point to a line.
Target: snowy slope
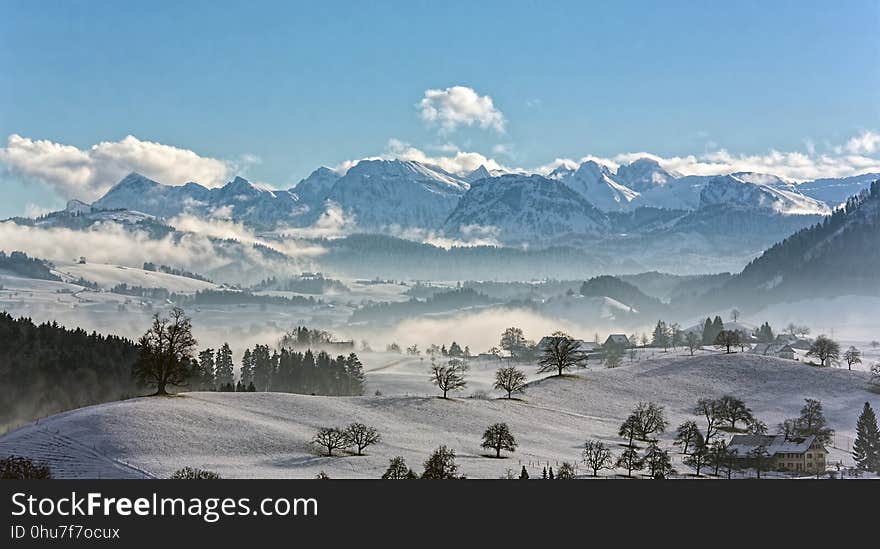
644	174
108	276
754	191
597	184
238	199
520	209
315	188
386	193
267	434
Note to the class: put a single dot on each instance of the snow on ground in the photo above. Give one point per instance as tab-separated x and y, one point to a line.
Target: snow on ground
107	276
266	434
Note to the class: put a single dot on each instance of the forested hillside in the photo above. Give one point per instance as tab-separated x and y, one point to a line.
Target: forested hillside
838	256
46	368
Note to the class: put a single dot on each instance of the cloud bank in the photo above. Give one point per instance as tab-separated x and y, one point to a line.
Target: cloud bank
87	174
851	158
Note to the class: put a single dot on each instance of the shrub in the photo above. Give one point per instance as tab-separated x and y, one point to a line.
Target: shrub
194	473
21	468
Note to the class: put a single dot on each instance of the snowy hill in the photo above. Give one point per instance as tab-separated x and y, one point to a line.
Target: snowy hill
108	276
266	435
518	209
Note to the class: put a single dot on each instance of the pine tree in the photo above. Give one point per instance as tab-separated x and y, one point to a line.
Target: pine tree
550	474
247	368
207	371
866	449
524	475
544	473
224	368
708	338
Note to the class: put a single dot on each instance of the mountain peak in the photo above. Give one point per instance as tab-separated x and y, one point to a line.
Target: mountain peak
644	173
477	174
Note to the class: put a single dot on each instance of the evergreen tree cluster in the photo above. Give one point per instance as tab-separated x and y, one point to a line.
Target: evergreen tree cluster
301	372
46	369
19	263
711	329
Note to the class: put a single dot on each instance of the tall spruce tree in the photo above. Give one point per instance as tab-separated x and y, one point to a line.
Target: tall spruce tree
224	368
866	449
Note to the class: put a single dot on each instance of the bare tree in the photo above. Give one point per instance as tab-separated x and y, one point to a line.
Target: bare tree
331	438
566	471
710	409
361	436
688	434
825	349
852	356
562	353
510	379
497	437
693	342
597	456
649	419
630	460
398	470
166	352
449	376
658	462
612	358
441	465
733	410
758	457
697	459
513	341
727	339
734	314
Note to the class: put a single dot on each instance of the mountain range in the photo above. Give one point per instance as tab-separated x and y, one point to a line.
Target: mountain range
384	193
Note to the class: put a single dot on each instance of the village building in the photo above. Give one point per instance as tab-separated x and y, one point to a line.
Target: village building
798	454
778	350
617	341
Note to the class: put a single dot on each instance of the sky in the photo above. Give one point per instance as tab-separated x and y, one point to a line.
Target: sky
180	91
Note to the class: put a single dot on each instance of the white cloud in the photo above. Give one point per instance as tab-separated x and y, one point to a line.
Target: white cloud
459	163
840	161
460	106
866	143
87	174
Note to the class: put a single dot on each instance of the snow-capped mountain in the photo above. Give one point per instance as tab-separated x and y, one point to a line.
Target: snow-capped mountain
479	173
385	193
757	191
239	199
597	184
517	209
644	174
835	191
315	188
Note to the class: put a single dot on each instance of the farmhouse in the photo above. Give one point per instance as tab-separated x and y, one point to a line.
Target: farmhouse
778	350
803	454
618	341
583	346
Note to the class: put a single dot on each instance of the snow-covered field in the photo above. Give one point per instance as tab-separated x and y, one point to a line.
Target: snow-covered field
106	276
267	434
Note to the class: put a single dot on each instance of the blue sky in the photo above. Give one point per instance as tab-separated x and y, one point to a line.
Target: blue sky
275	89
